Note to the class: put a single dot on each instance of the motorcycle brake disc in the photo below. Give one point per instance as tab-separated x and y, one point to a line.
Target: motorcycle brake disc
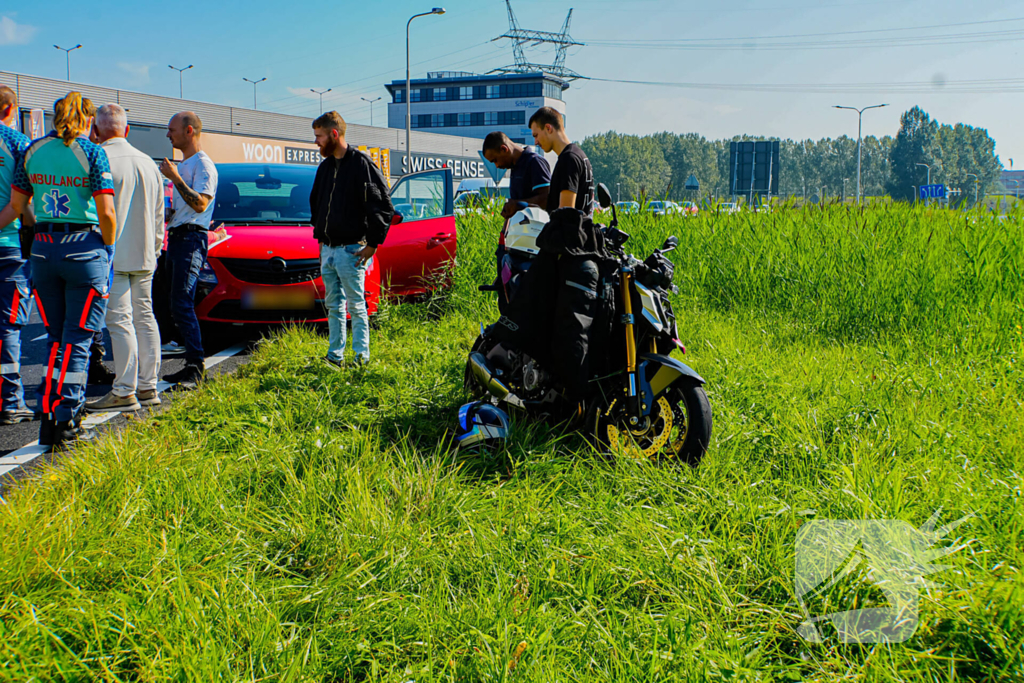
645	440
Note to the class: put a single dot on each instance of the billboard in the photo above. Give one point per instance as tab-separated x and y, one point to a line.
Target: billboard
754	168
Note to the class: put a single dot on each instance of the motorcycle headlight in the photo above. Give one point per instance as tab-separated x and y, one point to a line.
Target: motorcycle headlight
207	276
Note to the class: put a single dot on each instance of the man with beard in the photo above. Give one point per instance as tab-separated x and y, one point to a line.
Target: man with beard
351	214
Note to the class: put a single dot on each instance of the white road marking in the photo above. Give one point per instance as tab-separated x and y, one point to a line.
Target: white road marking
33	450
40	338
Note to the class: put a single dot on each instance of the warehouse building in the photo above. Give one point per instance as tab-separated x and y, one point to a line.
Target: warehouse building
232	134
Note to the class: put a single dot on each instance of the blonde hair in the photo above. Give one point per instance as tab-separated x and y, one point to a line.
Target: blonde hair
71	116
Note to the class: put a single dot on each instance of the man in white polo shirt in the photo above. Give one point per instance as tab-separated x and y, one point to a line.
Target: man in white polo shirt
139	207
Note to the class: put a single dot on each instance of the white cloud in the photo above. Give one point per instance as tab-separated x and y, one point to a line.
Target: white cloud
137	70
13	33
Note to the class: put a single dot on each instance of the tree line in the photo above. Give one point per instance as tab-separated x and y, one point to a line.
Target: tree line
658	165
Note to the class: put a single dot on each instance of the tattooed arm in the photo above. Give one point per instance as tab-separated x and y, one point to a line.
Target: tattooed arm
197	201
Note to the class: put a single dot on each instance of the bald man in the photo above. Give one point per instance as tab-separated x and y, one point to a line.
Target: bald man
195	186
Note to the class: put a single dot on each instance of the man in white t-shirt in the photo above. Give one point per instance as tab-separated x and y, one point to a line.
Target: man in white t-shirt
195	186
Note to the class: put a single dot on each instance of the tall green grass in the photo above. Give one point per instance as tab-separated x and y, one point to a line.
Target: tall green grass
295	524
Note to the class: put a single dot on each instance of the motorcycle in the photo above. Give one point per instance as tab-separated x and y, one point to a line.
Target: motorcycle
637	400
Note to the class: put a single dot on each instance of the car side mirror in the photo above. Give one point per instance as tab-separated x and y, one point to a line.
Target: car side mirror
397	218
604	197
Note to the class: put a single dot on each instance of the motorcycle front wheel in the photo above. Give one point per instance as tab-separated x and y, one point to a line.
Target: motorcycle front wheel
678	428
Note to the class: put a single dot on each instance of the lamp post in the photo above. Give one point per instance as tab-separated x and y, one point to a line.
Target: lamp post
915	192
844	189
371	106
68	51
929	181
321	94
254	84
860	121
180	71
408	89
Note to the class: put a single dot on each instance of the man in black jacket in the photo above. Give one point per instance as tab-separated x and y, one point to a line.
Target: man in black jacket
351	216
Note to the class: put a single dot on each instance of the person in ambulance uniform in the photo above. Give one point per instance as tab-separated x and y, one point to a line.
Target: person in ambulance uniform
68	180
15	296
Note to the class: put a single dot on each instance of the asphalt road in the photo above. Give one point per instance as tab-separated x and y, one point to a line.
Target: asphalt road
218	342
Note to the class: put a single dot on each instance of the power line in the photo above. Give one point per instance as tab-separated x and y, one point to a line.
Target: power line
742	45
830	33
982	86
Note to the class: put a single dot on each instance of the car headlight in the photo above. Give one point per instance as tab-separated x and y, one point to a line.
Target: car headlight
207	276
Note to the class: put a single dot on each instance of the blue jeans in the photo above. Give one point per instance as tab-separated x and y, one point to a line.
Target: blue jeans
71	276
186	254
15	301
344	279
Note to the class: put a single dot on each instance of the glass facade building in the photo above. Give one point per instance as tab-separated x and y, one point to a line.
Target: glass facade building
471	105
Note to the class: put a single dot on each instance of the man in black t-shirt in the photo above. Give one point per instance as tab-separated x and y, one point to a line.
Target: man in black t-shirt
531	175
572	182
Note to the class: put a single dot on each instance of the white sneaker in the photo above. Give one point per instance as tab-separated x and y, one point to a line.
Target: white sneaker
172	349
112	403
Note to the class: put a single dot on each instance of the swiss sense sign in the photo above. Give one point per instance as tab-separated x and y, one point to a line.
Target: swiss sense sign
234	149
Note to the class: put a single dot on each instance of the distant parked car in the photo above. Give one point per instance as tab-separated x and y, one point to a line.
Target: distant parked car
627	207
659	208
688	208
728	207
469	203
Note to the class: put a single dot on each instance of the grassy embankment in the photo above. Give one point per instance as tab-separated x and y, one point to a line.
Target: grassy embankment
291	523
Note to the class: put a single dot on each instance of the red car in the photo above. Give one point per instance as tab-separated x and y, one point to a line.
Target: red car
264	265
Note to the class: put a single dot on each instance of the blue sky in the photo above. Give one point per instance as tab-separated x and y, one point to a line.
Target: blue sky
355	48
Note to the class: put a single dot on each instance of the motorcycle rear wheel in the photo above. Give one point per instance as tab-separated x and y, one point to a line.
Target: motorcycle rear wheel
678	428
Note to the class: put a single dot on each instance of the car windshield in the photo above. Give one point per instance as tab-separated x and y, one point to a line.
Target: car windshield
263	193
656	205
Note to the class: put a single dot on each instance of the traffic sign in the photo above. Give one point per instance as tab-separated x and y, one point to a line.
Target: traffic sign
691	183
933	192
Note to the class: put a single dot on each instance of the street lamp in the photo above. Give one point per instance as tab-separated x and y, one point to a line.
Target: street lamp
180	71
860	120
254	84
68	51
915	193
371	106
408	89
929	175
321	94
844	189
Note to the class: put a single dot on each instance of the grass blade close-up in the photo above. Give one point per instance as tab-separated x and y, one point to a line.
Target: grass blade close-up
291	523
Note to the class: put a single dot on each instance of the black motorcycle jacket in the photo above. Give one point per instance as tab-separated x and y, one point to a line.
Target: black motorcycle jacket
349	201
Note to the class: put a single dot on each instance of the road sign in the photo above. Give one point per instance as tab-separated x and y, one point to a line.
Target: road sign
933	192
754	168
691	183
496	173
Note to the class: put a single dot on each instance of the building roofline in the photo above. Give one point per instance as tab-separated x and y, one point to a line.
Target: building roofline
400	83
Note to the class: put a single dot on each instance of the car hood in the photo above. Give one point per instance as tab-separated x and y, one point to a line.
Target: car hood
263	241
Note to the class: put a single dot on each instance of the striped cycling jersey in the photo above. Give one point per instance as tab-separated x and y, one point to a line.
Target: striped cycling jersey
63	180
12	150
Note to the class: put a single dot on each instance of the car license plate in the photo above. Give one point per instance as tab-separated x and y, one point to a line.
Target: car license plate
282	298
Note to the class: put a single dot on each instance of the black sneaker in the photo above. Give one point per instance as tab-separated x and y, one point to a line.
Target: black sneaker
189	376
333	363
16	416
99	374
66	433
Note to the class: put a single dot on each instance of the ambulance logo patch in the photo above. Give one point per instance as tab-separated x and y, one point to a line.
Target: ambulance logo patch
56	204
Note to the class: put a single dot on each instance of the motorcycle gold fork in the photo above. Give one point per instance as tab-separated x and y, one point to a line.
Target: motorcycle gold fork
629	320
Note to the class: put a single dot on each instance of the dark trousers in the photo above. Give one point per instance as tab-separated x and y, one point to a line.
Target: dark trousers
186	254
15	299
71	276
